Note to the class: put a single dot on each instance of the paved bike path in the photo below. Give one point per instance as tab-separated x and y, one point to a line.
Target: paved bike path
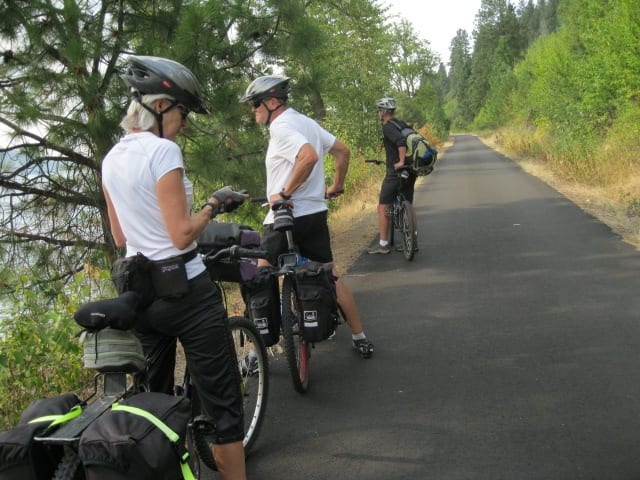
508	349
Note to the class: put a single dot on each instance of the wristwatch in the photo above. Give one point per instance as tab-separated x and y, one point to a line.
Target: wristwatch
284	195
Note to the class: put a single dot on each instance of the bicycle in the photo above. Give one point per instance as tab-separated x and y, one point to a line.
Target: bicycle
400	216
297	346
112	385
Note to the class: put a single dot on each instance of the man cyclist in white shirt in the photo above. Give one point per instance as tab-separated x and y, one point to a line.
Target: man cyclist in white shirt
295	173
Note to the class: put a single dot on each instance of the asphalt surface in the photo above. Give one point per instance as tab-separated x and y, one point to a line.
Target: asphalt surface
508	349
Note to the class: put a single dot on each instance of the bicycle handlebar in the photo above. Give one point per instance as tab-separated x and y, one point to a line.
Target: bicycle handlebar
234	252
377	162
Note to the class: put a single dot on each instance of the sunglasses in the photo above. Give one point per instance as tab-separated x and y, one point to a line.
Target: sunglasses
256	103
184	111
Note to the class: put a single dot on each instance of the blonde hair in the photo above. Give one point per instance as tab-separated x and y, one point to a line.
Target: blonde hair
138	117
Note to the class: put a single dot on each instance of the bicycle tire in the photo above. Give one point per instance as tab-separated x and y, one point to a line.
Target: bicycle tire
408	231
254	386
391	216
68	467
255	378
297	350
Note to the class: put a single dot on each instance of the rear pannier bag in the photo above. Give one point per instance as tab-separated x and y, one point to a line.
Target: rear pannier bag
261	295
316	289
128	441
112	350
21	457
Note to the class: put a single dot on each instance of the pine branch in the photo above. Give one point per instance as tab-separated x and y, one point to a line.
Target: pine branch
21	237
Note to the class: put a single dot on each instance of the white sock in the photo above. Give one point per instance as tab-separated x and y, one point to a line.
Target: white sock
384	243
358	336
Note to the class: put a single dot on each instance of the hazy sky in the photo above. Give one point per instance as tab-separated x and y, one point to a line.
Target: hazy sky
436	20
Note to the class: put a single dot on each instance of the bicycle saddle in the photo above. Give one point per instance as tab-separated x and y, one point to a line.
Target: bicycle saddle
118	313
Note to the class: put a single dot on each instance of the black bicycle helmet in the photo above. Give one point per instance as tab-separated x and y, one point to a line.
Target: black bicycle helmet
155	75
386	103
269	86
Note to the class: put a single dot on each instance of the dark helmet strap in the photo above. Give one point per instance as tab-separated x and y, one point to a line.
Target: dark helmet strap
138	98
281	104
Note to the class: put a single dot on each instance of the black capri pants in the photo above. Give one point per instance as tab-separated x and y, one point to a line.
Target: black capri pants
199	320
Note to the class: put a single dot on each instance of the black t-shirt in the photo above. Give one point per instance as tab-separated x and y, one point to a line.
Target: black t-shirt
392	139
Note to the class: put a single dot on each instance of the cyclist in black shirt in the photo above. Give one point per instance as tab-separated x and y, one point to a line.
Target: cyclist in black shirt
395	148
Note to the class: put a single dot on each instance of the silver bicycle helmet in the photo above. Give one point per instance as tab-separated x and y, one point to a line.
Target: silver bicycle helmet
386	103
269	86
155	75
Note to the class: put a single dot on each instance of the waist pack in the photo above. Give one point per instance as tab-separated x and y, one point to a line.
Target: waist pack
21	457
152	279
141	437
316	289
261	295
217	236
133	274
420	156
112	350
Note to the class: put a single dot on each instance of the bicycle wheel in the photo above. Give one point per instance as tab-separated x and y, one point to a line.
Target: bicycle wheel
408	231
297	351
251	358
253	364
68	467
392	223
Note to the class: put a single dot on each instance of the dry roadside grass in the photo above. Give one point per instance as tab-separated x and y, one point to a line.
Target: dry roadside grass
607	204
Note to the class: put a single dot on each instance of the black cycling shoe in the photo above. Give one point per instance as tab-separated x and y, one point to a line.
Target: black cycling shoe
364	347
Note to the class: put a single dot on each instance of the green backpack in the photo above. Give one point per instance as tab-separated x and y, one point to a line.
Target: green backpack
419	154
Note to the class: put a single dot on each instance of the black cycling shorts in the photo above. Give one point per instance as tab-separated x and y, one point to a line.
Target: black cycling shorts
390	185
310	234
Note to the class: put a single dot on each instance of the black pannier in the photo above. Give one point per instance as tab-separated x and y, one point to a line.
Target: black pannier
21	457
261	295
125	443
316	289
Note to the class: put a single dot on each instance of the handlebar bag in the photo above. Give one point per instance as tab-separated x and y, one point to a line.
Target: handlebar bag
235	271
21	457
261	295
218	235
316	288
141	437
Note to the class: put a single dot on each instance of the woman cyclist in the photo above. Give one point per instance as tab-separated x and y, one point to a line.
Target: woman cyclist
148	200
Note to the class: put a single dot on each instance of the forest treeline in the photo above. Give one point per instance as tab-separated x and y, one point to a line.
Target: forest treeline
554	78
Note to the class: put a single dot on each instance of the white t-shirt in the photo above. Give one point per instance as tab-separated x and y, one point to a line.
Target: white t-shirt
288	133
130	172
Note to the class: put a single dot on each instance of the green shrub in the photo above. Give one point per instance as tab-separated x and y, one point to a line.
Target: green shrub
40	355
